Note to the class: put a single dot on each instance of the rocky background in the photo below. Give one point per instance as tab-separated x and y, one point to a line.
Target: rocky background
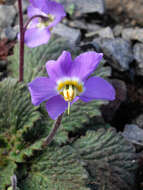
112	27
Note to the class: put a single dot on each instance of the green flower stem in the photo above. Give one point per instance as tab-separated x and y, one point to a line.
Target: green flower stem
21	50
53	131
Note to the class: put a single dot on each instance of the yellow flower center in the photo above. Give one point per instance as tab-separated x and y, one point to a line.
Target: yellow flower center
47	22
69	93
69	88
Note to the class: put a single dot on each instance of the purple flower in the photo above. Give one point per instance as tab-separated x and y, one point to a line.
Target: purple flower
69	81
39	30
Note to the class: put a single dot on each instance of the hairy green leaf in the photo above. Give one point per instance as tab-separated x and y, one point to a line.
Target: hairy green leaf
81	113
56	169
7	170
17	117
109	159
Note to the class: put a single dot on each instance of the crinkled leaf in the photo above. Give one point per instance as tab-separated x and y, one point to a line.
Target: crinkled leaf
102	70
17	117
109	159
6	172
56	169
81	113
16	110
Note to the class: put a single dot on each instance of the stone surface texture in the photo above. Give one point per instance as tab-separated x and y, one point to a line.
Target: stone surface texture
10	32
71	34
101	32
132	8
133	34
139	121
24	5
118	50
138	55
133	134
117	30
84	6
7	15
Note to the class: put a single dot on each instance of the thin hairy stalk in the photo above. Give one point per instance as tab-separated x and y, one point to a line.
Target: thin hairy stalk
21	50
53	131
22	33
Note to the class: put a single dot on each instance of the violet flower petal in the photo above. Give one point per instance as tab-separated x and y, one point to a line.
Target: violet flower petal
41	89
39	3
37	36
54	12
56	106
32	11
55	9
50	7
61	67
85	64
97	88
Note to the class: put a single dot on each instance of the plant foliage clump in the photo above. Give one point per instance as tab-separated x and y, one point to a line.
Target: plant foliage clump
109	159
58	169
17	116
101	158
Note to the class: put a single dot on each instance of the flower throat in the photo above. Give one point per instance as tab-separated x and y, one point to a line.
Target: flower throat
69	89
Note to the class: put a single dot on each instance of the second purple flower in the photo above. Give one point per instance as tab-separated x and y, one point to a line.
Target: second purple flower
39	30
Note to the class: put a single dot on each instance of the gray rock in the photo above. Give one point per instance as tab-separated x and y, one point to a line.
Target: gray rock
93	27
118	50
133	34
84	6
117	30
25	4
80	24
103	33
106	33
71	34
133	134
10	32
7	15
132	9
25	18
138	55
139	121
97	44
